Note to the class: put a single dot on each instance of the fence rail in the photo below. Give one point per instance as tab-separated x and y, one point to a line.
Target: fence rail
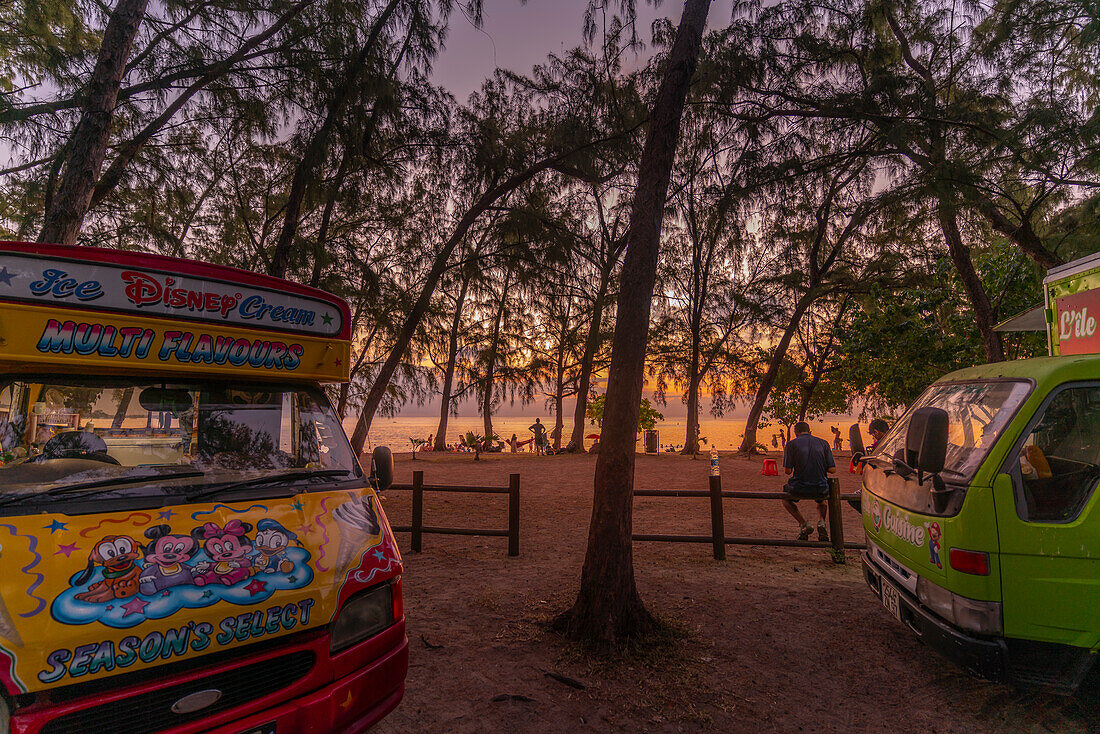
419	529
718	538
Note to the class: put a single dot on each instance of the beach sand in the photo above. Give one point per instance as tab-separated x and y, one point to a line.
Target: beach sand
774	639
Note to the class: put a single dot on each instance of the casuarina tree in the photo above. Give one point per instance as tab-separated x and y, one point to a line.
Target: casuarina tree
608	609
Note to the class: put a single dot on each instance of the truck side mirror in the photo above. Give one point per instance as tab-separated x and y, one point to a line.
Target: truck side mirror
855	438
381	467
926	440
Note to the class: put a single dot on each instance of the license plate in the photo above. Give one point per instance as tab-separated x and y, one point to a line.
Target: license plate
268	728
891	599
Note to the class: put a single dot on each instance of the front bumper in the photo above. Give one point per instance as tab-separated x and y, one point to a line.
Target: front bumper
351	705
346	692
984	656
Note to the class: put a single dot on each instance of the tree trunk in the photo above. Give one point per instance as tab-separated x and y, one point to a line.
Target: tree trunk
123	404
984	315
691	441
584	379
748	443
449	372
559	399
342	402
88	145
608	609
491	362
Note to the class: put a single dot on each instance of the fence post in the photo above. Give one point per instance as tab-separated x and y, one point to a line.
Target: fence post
418	510
717	522
836	521
513	514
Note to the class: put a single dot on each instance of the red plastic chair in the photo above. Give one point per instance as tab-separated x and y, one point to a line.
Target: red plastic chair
770	468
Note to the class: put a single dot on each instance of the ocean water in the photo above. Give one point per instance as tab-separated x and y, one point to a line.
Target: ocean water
725	434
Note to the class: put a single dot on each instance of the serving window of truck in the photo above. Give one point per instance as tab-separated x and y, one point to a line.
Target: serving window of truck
187	541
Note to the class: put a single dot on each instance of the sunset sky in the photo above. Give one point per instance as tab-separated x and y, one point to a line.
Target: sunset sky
517	36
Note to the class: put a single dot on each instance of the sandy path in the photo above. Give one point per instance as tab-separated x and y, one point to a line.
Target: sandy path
774	639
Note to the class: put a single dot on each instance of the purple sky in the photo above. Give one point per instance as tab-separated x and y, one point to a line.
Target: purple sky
517	36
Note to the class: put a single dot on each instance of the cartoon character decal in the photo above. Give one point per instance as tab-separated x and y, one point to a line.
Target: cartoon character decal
876	515
934	544
272	542
130	583
222	558
165	560
229	551
116	555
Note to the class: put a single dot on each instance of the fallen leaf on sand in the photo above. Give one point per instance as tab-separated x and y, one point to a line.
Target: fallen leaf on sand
571	682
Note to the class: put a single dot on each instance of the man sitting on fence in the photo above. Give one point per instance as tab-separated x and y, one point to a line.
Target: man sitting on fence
808	460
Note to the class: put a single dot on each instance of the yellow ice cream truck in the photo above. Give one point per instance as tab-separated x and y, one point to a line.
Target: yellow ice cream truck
187	541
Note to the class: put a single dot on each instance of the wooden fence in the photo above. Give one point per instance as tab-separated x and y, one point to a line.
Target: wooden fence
418	528
718	538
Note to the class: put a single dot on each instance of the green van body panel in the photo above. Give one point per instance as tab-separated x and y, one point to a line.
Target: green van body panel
1046	575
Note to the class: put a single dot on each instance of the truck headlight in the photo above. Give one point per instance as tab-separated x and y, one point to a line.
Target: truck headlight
364	615
983	617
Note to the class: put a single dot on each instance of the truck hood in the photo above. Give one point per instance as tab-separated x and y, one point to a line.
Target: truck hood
84	597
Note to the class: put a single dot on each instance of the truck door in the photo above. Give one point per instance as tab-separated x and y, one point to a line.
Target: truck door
1049	524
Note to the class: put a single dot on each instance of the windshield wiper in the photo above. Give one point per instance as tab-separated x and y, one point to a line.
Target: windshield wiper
102	484
872	460
290	476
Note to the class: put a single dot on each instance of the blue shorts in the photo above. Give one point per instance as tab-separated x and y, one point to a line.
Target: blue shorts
803	493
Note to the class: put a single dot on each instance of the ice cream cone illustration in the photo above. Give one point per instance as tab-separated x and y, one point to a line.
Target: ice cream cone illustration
358	523
7	626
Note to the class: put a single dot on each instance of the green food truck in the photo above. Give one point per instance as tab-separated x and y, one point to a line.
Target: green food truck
980	504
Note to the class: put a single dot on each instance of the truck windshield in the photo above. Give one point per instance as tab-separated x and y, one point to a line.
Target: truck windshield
65	436
977	412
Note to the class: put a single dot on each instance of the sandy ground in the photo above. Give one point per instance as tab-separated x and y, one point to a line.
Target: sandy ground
771	639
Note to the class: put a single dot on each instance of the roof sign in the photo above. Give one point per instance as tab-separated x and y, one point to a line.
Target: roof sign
124	288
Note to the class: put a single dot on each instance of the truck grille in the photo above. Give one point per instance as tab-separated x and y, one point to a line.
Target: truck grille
147	713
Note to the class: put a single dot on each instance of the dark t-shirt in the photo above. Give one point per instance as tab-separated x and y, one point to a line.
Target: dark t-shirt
810	457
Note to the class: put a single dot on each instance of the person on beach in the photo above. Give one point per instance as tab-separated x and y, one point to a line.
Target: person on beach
877	428
540	436
808	461
836	439
513	443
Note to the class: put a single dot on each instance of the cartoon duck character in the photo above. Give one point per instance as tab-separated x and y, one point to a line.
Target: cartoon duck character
229	551
934	544
272	541
164	560
117	554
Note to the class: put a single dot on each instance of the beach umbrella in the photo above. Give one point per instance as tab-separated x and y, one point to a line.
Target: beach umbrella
594	436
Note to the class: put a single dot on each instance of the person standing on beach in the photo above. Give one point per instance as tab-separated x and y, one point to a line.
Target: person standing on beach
513	443
808	461
836	439
540	436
